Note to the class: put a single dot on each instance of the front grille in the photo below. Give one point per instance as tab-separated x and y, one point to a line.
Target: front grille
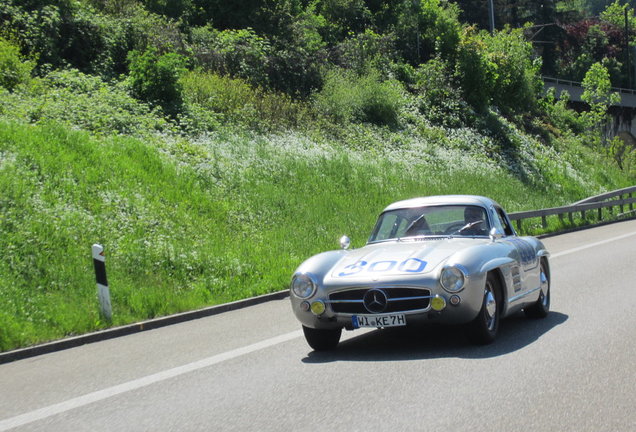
398	300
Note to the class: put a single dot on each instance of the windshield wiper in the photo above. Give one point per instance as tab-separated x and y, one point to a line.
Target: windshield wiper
468	226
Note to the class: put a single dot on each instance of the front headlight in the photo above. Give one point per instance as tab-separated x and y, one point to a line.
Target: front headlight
303	286
452	279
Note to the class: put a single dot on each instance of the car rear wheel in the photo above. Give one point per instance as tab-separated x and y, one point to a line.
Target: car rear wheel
541	308
483	329
321	339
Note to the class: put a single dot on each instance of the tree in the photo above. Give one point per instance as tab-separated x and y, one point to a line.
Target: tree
599	96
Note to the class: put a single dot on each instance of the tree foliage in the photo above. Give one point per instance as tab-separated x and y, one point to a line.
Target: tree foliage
321	49
597	92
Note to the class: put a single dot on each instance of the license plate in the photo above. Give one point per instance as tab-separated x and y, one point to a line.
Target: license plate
390	320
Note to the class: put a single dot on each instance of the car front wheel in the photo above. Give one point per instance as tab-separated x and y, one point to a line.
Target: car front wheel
321	339
483	329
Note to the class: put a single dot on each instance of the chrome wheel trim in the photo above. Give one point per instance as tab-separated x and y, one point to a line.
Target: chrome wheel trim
490	306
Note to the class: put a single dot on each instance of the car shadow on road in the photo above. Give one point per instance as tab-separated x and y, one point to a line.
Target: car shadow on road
406	343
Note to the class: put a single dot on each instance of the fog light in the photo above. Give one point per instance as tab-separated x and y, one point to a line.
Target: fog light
438	303
304	306
455	300
318	307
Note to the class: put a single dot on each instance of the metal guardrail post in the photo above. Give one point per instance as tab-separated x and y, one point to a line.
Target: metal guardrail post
631	205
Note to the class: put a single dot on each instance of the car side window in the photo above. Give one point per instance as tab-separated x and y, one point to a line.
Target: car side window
504	223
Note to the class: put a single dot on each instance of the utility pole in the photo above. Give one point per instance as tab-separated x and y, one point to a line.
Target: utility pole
628	62
417	5
491	16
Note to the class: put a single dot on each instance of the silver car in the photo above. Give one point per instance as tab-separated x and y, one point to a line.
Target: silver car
452	259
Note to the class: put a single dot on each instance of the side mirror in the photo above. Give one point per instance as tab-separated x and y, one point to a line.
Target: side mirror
496	234
345	242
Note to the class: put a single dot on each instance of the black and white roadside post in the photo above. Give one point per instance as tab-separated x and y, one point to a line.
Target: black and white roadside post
99	262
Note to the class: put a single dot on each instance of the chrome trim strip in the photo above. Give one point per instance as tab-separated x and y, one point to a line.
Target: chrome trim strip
390	299
410	298
520	296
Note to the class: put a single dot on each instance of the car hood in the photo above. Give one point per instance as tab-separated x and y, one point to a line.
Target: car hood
410	257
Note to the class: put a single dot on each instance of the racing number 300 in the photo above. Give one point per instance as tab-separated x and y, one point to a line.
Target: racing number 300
409	265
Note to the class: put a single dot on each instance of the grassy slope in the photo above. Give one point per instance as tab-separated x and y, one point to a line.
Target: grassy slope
189	223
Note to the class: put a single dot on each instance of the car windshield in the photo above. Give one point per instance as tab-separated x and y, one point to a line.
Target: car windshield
445	220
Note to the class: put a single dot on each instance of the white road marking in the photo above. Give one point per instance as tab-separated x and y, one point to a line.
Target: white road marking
591	245
99	395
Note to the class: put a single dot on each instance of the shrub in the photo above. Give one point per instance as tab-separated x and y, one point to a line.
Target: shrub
239	102
563	118
477	74
425	28
82	101
343	17
155	78
363	51
439	97
239	53
348	97
500	70
14	70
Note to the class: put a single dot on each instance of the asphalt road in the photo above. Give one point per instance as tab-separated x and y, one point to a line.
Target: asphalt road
251	370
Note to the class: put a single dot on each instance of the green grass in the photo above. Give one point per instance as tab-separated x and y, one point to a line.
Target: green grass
189	223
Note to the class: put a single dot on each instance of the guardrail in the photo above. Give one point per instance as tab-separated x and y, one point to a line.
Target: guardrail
620	198
578	84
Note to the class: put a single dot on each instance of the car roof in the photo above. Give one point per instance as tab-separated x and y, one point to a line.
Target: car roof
443	200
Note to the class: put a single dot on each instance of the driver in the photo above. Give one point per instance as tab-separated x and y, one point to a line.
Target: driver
474	215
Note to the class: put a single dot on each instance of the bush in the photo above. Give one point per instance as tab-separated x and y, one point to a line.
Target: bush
239	102
439	97
477	74
239	53
82	101
14	70
155	78
498	70
363	51
348	97
425	28
559	115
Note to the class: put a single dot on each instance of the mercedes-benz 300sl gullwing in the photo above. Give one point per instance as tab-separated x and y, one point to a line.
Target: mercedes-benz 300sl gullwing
451	259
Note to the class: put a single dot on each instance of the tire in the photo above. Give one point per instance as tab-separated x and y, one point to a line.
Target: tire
321	339
483	329
541	308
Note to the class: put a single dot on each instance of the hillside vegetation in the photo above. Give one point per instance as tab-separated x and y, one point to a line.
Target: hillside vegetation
210	156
